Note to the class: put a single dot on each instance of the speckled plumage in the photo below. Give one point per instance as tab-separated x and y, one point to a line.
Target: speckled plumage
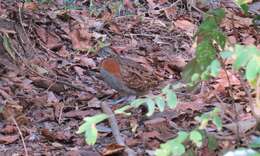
125	75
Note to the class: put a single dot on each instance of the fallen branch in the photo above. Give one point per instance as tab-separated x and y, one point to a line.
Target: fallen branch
115	129
21	135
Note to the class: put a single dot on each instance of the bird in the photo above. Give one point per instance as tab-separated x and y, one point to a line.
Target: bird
125	75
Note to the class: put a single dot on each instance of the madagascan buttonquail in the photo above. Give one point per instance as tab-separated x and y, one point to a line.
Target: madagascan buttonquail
125	75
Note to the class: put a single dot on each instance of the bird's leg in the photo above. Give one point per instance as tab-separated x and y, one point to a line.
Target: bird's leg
124	99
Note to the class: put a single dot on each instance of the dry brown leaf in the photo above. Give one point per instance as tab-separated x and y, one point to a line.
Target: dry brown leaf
232	20
151	4
223	83
9	139
80	37
56	136
8	129
170	12
232	40
30	6
51	40
187	26
79	70
86	61
94	103
250	40
113	149
151	134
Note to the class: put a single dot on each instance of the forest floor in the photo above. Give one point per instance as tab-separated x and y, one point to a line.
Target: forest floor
49	63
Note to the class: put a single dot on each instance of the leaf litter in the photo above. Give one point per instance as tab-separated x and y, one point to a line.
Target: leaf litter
52	82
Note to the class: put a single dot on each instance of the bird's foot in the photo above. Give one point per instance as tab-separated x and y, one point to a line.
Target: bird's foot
125	99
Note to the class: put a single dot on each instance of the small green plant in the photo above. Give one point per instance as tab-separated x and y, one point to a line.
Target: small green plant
167	98
248	58
205	64
178	146
89	127
243	5
213	117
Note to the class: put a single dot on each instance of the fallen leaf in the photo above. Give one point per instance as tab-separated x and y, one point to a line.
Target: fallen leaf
81	153
9	139
88	62
244	126
250	40
187	26
51	40
94	103
170	12
8	129
113	149
30	6
56	136
151	134
79	70
80	37
223	81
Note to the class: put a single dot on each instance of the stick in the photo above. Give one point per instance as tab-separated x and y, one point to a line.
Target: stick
21	135
115	129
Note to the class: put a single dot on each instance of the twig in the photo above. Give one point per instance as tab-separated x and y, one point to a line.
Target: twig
115	129
21	135
230	92
172	5
251	101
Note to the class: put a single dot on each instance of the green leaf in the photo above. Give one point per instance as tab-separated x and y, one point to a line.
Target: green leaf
182	136
242	57
122	110
83	128
218	14
226	54
166	89
205	75
178	149
196	138
219	37
91	120
255	143
151	106
244	8
205	53
217	121
215	111
96	119
207	26
243	5
160	103
171	99
138	102
163	152
195	77
212	143
89	127
204	123
91	134
252	69
215	68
